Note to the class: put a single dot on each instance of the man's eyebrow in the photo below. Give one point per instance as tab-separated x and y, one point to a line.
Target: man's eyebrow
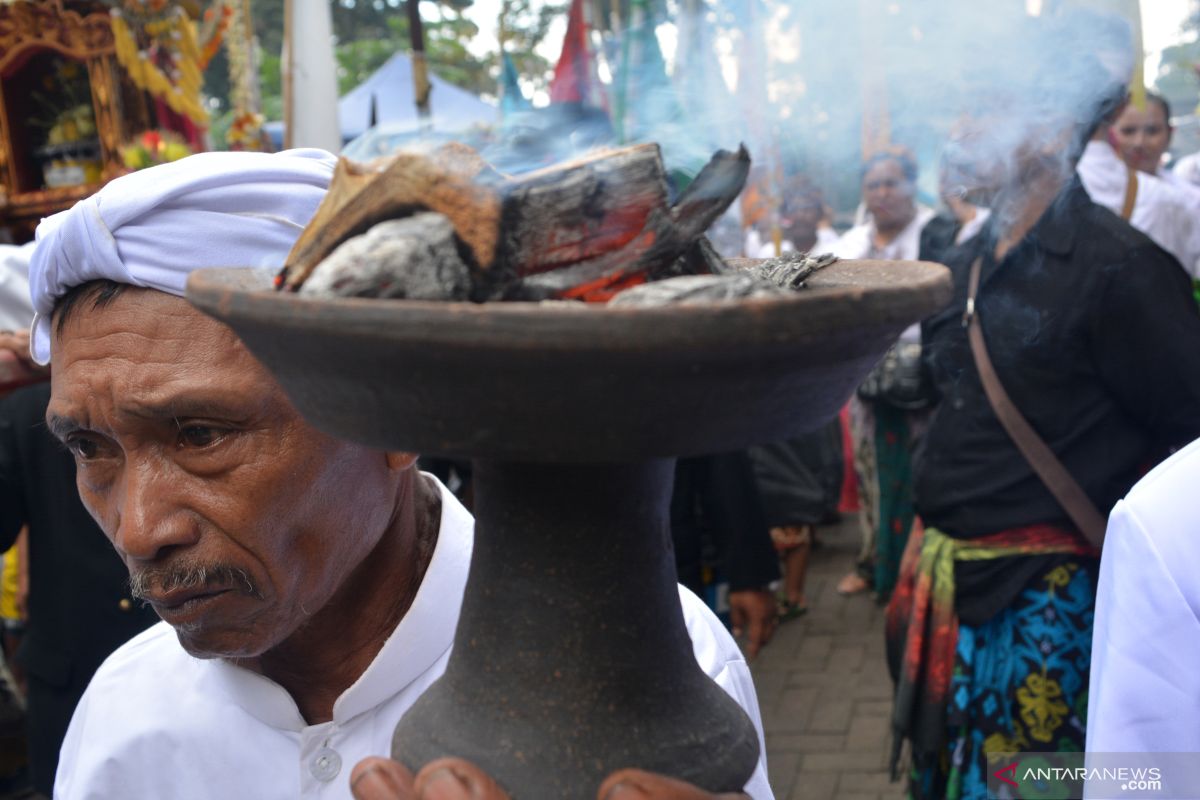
178	407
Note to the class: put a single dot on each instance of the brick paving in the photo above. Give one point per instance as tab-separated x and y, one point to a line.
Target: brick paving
824	688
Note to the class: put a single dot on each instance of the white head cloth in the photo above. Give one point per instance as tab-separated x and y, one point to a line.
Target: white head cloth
151	228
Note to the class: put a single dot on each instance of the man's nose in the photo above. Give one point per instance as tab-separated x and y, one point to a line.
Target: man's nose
150	517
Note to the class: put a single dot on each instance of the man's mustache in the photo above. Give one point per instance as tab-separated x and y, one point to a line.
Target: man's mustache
175	577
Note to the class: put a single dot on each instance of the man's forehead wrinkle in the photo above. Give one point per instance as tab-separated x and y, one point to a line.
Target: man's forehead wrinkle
179	352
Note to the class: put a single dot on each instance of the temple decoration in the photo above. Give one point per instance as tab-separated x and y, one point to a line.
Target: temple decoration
90	89
152	148
66	107
245	133
156	43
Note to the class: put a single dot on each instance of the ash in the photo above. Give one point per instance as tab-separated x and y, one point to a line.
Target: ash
791	270
412	257
688	290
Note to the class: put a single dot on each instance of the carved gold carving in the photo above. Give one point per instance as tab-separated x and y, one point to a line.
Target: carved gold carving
43	24
5	177
30	26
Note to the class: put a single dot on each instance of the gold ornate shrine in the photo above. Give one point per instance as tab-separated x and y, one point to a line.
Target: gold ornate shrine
66	107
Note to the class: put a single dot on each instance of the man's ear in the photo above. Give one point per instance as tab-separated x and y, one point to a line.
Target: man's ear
399	461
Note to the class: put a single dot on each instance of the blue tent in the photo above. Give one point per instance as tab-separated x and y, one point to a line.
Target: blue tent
390	88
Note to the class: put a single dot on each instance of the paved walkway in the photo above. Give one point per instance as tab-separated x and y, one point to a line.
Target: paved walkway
824	688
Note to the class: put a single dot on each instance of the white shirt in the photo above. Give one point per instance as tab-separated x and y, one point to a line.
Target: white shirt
757	248
1145	681
1161	211
16	309
859	242
1187	170
157	723
974	225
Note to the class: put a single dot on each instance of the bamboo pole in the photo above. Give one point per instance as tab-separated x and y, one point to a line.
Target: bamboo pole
289	65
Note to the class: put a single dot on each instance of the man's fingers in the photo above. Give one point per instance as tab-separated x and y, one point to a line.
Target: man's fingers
456	779
636	784
381	779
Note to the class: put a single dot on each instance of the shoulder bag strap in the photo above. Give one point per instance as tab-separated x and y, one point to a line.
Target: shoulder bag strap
1131	191
1054	475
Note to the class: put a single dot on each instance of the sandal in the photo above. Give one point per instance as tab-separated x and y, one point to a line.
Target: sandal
789	610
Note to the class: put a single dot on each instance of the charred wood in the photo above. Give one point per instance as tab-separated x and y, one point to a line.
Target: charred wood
453	181
650	254
579	210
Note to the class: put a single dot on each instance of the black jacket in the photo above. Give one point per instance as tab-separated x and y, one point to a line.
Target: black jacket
79	606
800	479
717	520
1094	333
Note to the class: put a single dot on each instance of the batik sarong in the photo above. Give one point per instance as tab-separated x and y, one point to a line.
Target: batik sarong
957	685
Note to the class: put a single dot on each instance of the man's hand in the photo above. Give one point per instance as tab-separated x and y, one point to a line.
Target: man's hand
753	612
16	364
17	343
456	779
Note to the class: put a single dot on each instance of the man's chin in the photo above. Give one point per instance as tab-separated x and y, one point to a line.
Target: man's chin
203	642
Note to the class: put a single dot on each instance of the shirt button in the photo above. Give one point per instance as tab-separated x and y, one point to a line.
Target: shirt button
325	765
125	604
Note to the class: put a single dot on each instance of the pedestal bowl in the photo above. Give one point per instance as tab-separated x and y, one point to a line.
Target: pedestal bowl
571	657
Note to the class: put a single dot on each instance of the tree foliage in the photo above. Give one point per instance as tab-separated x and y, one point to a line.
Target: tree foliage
447	36
1178	80
523	26
368	33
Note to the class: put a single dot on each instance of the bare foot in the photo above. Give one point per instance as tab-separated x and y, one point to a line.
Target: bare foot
852	583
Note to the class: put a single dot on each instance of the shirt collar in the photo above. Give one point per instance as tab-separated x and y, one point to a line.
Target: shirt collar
1055	231
422	637
426	632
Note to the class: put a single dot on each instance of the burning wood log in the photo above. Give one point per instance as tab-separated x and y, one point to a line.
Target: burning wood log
701	259
586	230
666	235
510	227
580	209
453	181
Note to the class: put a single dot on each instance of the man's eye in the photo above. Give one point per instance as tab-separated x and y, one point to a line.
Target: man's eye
83	448
199	435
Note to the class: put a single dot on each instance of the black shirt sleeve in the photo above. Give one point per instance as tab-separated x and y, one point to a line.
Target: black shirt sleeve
12	496
1145	333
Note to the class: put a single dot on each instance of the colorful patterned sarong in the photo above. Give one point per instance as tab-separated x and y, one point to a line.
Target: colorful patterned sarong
1020	683
923	635
893	464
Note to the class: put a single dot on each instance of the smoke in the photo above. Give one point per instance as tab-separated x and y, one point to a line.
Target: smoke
814	87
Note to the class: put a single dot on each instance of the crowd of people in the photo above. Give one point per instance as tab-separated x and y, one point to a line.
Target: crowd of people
158	471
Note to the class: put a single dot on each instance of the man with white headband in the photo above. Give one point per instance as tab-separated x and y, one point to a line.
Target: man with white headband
309	587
